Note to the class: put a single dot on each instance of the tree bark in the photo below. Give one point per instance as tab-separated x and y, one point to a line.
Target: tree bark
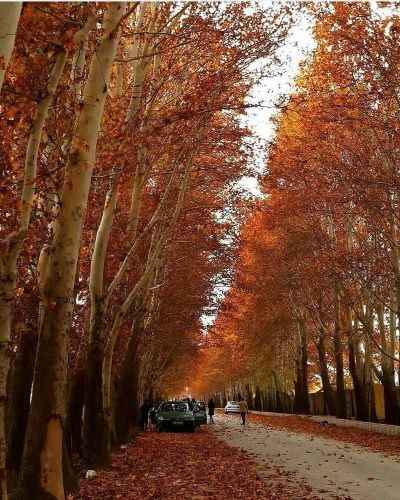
127	401
302	402
74	414
19	391
9	17
386	376
9	255
337	345
326	383
360	395
96	439
41	470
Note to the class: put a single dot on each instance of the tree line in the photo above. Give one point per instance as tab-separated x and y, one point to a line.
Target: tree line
315	301
121	143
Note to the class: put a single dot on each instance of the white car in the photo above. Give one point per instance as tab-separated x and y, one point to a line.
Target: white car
232	407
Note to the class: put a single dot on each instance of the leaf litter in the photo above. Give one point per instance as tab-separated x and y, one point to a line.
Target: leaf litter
189	466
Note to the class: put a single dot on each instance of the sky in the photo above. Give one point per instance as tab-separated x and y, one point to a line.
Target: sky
296	48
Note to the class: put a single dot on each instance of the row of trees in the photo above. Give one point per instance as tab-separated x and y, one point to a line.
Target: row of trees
120	144
316	296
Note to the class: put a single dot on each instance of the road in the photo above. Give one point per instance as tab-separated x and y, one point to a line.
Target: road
333	469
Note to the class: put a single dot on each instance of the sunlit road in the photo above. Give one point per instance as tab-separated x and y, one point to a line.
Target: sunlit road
333	469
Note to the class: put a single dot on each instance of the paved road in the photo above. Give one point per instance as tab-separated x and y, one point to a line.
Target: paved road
333	469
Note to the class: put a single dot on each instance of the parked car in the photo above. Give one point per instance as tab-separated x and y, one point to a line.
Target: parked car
174	415
200	413
232	407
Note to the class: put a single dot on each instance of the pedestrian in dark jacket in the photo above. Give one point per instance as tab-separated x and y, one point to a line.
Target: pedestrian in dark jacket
211	408
144	412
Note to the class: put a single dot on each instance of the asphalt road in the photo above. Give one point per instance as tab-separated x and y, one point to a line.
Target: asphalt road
333	469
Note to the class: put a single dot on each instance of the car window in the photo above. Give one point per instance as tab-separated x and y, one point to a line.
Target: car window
174	406
201	406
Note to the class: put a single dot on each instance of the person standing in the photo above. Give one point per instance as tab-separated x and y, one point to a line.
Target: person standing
211	410
243	410
144	411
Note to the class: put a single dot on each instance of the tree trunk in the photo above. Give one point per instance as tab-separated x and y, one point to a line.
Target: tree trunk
41	470
368	376
9	17
19	391
69	480
302	403
386	377
258	400
10	252
127	400
340	403
326	383
96	438
75	400
360	394
337	345
305	402
392	410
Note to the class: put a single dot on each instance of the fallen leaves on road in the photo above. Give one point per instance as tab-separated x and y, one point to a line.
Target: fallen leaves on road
382	443
181	465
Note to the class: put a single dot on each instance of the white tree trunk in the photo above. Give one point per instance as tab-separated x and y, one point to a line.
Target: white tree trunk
9	255
47	408
78	62
9	17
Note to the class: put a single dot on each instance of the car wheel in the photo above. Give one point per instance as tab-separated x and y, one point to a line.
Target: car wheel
192	428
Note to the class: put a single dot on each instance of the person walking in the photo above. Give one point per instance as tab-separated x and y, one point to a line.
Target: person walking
243	410
211	410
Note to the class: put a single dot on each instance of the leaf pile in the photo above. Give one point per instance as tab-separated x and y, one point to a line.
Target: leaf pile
381	443
181	465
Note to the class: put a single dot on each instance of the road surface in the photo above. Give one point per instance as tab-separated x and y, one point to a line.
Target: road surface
333	469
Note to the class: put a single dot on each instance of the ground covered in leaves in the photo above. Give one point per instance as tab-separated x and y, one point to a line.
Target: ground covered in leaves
182	465
381	443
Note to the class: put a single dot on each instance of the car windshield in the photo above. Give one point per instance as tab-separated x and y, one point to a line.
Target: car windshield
232	403
174	406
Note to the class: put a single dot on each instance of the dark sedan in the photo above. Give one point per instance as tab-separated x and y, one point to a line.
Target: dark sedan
174	415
